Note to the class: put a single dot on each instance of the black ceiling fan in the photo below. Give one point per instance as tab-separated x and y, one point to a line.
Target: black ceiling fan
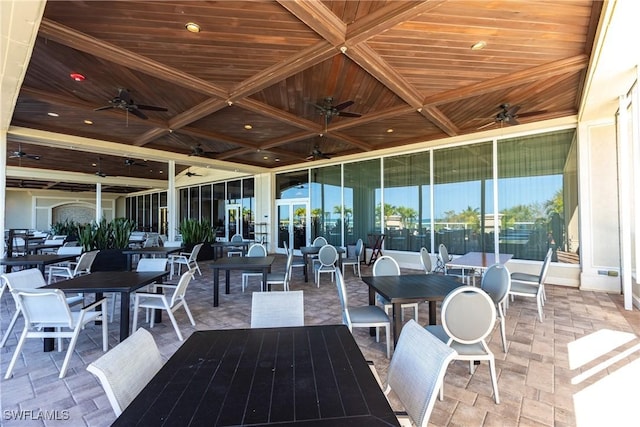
99	171
316	154
132	162
198	151
22	155
328	110
190	174
124	102
508	114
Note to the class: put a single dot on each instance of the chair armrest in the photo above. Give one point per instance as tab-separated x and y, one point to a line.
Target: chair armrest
168	286
93	304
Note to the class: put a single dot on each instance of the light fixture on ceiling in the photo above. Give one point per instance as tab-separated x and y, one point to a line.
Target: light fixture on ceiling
265	157
390	130
343	49
52	114
248	127
192	27
77	77
88	122
479	45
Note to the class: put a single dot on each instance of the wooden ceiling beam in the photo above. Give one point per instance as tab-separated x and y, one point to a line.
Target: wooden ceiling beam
193	114
551	69
199	133
437	117
278	114
233	153
319	18
353	141
75	39
371	117
276	142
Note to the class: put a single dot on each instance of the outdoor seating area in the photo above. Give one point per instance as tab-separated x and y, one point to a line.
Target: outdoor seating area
539	380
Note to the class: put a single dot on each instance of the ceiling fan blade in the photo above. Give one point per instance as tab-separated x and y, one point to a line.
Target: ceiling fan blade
532	113
511	120
347	114
138	113
32	156
513	110
106	107
151	108
343	105
486	125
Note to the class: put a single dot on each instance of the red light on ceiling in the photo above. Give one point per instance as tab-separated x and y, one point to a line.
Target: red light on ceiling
77	77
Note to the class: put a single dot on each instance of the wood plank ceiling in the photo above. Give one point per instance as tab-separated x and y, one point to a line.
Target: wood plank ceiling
245	89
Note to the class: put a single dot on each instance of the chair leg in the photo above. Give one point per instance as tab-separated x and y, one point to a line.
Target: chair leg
503	328
16	353
494	379
72	346
539	301
10	328
388	330
134	324
175	324
186	308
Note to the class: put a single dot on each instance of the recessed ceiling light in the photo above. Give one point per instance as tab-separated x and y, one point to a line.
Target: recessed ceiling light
389	130
479	45
161	171
77	77
94	164
88	122
248	127
52	114
192	27
266	157
277	159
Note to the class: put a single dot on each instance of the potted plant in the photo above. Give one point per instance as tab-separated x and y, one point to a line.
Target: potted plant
68	228
194	231
111	238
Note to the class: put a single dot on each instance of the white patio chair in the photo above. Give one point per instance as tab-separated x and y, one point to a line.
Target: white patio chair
235	250
531	286
416	372
83	266
277	309
468	317
365	316
188	259
26	279
127	368
425	260
281	278
255	250
170	303
296	262
326	263
49	309
461	273
496	282
354	261
387	266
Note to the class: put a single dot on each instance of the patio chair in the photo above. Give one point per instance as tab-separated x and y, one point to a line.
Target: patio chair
425	260
387	266
522	284
235	250
365	316
44	309
326	262
255	250
31	278
281	278
355	259
468	317
416	372
127	368
170	303
318	242
188	259
461	273
496	282
83	266
277	309
296	262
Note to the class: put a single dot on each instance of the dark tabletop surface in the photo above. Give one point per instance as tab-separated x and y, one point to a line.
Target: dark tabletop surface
153	250
314	376
37	259
412	287
315	249
243	262
108	281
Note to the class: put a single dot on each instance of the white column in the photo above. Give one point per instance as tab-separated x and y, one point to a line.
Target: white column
98	201
3	184
172	209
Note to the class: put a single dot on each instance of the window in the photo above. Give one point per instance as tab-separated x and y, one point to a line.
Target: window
362	198
326	204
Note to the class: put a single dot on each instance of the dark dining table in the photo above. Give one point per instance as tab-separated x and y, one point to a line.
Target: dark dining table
307	256
310	375
407	288
244	263
123	282
39	261
218	247
162	251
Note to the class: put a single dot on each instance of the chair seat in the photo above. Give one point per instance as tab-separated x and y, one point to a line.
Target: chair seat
151	302
525	277
368	314
474	349
439	332
523	288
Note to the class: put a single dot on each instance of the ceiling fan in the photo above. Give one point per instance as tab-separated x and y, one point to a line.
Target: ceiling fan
132	162
328	110
124	102
190	174
22	155
198	151
99	171
317	154
508	114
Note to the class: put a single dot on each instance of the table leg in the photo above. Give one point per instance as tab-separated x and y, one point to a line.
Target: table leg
157	317
305	261
125	301
48	343
227	278
372	301
264	280
397	322
432	312
216	286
